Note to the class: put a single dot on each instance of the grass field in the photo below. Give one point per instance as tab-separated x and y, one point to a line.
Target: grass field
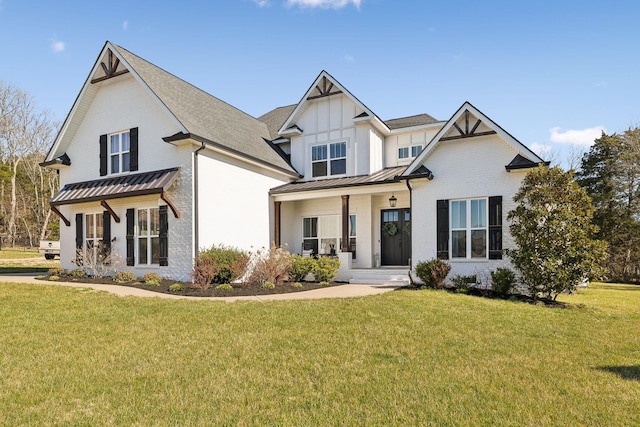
24	260
79	357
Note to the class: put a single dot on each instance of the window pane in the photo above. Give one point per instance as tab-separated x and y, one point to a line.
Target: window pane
89	226
99	226
478	213
319	152
125	162
338	167
352	225
459	214
310	226
154	219
403	153
338	150
478	244
142	222
415	150
125	141
155	250
319	169
115	164
458	244
115	144
142	250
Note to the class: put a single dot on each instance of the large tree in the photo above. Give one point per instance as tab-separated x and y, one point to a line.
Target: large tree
552	228
610	173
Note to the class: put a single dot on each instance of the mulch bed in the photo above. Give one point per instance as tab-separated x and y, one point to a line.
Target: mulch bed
189	290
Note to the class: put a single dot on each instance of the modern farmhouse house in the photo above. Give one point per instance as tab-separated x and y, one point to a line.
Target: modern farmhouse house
154	168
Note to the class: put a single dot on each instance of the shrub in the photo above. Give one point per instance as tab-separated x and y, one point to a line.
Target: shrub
57	271
98	263
324	283
152	279
296	285
301	267
124	276
325	269
462	283
272	266
77	273
54	278
224	287
176	287
503	281
433	272
219	264
268	285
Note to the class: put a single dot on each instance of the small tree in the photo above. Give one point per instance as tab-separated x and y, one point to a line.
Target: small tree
552	229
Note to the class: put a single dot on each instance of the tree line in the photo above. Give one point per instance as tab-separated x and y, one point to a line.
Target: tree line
26	132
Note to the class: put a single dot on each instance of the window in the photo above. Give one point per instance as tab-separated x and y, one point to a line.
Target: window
329	159
469	228
149	236
403	152
93	237
322	234
352	236
119	152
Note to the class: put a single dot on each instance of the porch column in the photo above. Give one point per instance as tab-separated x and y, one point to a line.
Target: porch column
345	224
276	218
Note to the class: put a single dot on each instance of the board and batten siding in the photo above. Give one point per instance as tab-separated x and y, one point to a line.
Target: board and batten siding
462	169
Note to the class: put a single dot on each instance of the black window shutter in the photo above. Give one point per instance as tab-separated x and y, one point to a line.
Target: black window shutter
164	236
442	245
133	149
130	236
103	155
79	238
495	227
106	232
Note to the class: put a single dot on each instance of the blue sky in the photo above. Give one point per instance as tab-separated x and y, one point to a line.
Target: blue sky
552	73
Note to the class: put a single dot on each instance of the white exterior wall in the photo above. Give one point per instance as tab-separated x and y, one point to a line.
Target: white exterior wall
122	104
234	203
468	168
408	139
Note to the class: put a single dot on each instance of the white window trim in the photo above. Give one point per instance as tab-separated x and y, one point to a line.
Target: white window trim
468	229
148	237
118	153
329	159
96	240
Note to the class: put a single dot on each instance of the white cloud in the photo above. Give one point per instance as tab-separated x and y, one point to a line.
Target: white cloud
325	4
541	149
577	137
261	3
57	46
125	25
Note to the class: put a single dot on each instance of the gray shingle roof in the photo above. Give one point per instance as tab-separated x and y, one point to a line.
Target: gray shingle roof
206	116
275	118
404	122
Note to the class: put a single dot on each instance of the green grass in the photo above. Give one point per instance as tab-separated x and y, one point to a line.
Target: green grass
24	260
9	253
80	357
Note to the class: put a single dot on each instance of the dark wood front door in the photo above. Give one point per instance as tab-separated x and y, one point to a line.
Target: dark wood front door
395	236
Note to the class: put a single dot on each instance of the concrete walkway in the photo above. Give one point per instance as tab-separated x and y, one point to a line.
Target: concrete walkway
341	291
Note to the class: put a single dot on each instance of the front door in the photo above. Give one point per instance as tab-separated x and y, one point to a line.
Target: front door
395	236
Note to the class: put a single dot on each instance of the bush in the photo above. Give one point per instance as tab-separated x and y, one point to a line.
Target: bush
268	285
325	269
124	276
57	271
324	283
462	283
301	267
272	266
433	272
152	279
176	287
54	278
77	273
219	264
296	285
224	287
503	281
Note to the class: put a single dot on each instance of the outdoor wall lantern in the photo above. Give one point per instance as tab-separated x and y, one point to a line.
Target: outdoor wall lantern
392	201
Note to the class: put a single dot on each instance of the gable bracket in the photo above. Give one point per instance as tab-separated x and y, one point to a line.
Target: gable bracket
324	89
115	216
168	201
62	217
467	133
110	69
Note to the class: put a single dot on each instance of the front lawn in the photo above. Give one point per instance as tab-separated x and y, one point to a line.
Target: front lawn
80	357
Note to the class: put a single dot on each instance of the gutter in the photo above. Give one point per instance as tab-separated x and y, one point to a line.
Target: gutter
196	208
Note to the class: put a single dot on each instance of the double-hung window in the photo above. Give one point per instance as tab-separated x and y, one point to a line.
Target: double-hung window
469	228
93	237
119	152
148	236
329	159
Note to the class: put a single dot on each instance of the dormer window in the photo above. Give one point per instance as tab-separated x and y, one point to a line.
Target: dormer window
119	152
329	159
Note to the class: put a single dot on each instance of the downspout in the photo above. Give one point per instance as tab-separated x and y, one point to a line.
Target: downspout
410	216
196	209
